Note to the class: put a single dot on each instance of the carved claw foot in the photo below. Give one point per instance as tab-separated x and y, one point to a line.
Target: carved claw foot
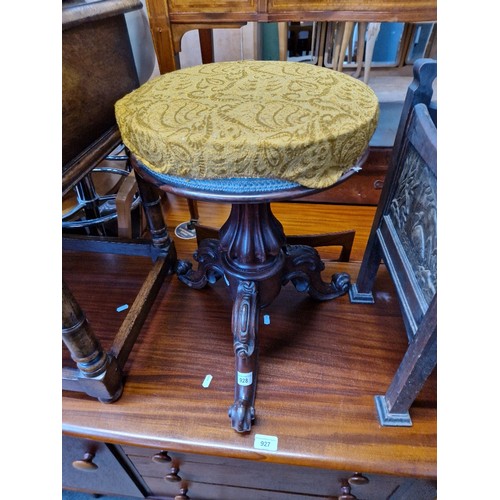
303	267
241	413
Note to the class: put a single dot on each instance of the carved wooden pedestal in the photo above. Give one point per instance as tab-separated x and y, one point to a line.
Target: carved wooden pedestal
253	258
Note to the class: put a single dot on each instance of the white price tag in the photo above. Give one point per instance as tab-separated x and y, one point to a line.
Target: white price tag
262	442
245	379
206	381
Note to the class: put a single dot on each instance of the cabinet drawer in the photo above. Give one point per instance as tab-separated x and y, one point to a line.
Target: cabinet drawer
204	491
109	477
205	474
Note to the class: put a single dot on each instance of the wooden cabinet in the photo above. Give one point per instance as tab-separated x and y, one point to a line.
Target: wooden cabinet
220	478
139	472
97	467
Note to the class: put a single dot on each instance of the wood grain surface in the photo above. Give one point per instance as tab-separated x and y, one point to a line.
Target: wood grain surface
320	366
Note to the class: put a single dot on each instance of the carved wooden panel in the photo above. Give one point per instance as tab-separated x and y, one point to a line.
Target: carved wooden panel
413	211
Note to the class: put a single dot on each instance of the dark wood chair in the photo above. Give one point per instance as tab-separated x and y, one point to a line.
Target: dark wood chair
98	69
404	237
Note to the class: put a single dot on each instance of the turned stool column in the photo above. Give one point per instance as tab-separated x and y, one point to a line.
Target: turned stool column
255	262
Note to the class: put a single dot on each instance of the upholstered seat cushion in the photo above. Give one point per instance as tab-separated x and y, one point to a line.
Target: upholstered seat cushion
259	119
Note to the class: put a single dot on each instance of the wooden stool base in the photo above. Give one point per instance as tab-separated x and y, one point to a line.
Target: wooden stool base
253	258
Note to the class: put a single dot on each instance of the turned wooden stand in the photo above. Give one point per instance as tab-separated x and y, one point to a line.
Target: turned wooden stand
251	254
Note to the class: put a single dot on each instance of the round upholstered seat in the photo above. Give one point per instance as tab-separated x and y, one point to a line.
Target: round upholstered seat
250	119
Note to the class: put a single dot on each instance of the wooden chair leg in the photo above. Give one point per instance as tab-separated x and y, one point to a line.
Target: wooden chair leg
151	203
361	291
283	40
124	199
419	361
346	37
337	42
322	28
194	214
361	49
206	45
371	37
98	373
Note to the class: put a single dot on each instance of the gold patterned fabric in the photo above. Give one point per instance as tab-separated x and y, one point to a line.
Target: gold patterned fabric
284	120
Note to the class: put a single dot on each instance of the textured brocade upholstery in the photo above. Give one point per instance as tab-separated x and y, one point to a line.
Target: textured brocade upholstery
260	119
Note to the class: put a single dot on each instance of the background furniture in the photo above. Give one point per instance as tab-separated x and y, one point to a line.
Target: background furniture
332	39
98	68
170	20
404	236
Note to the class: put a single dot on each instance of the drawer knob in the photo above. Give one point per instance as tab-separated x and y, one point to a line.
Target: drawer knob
357	479
172	475
161	458
86	463
345	491
182	494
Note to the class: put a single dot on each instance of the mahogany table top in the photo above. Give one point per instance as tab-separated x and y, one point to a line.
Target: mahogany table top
320	366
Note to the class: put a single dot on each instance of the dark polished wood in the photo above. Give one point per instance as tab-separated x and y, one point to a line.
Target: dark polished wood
364	188
209	477
92	466
255	259
320	366
170	20
342	239
206	45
